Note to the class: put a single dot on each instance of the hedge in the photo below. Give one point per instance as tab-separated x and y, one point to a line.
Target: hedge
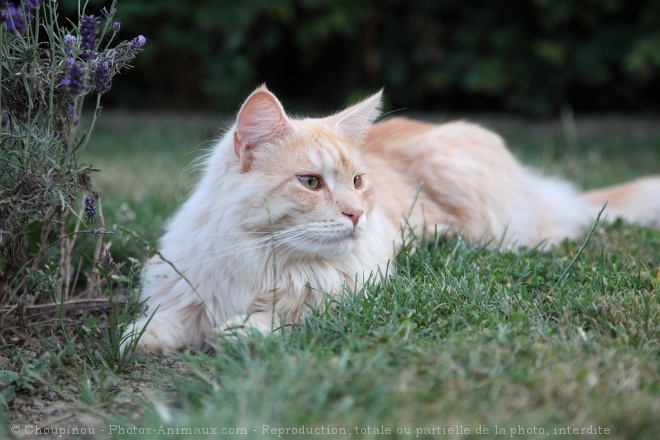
530	56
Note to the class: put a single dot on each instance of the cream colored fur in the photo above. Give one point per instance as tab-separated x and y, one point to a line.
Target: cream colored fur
256	246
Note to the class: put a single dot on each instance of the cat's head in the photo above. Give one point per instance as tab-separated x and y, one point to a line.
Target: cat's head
312	188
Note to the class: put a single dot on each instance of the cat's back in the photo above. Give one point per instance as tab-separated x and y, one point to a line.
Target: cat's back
396	130
468	177
406	143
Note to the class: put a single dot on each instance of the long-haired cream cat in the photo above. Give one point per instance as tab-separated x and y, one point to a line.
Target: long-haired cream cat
288	210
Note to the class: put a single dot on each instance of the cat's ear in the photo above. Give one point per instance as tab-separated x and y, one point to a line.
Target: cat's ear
260	120
355	121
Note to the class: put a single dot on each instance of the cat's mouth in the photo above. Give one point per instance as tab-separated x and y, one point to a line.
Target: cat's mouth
336	244
341	234
340	238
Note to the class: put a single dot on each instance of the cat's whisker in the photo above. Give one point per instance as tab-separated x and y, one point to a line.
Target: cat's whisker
265	233
220	251
270	242
260	256
388	115
258	241
235	248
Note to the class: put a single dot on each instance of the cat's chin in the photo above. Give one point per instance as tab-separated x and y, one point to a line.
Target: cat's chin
329	247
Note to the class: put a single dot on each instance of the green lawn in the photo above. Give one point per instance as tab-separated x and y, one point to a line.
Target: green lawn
463	343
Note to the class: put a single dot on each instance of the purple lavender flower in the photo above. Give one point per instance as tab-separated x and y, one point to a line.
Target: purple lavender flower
108	14
14	19
70	111
75	80
137	44
90	209
69	41
116	26
89	28
102	77
33	4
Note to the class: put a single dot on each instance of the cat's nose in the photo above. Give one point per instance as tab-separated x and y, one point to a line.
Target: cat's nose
354	215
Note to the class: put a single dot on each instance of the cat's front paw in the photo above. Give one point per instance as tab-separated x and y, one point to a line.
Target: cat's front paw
243	325
156	336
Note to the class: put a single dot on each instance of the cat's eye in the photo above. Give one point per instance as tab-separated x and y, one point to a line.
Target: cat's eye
310	182
358	182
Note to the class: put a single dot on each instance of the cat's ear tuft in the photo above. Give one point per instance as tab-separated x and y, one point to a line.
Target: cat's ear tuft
260	120
355	121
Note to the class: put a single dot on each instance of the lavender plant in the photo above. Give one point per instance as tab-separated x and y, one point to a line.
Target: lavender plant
49	73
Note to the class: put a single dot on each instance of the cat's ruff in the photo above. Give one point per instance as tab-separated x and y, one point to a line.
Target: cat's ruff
289	210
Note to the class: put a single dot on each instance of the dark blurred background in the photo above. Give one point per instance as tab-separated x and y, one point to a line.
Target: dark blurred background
531	57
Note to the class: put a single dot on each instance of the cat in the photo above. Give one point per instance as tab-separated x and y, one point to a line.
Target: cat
288	210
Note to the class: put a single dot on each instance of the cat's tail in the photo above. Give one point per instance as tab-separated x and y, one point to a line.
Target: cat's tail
635	202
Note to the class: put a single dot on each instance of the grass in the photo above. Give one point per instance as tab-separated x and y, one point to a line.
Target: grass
144	162
462	343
